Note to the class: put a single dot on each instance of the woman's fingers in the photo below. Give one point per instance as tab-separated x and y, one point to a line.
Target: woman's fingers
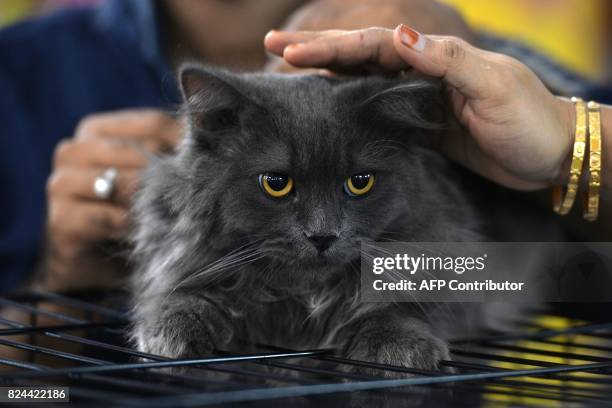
450	58
80	222
276	41
455	61
154	129
77	182
97	152
343	50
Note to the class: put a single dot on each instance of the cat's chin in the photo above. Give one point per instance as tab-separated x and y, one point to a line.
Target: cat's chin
303	272
318	262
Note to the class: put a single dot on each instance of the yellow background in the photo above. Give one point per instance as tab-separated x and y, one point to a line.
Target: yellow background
573	32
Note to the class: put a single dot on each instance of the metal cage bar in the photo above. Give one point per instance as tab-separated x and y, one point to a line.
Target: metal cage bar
540	366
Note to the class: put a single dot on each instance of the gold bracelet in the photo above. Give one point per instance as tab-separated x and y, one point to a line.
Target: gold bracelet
563	205
592	197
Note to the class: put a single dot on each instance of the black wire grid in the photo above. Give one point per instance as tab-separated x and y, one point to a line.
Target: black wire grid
553	362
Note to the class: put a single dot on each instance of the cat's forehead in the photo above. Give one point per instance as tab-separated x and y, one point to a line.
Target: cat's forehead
313	111
315	131
302	95
308	122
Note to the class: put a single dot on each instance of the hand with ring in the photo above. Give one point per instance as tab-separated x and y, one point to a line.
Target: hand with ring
94	176
104	185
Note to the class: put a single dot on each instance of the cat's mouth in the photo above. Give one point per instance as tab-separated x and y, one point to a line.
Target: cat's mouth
321	259
334	256
306	259
303	254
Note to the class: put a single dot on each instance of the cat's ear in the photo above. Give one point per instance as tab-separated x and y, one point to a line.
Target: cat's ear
212	101
413	104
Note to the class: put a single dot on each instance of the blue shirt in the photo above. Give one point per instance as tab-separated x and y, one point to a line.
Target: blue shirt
54	71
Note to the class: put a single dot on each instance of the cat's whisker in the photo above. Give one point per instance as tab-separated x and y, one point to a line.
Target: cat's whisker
235	258
235	252
215	272
249	246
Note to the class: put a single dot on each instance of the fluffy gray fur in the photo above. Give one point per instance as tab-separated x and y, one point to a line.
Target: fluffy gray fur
219	262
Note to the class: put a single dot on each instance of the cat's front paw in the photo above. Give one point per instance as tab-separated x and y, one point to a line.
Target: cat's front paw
190	328
410	344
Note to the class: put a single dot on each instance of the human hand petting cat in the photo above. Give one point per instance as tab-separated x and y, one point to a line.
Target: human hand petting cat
79	223
428	16
518	133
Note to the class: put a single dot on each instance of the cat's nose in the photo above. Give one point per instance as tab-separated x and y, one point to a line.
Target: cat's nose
322	242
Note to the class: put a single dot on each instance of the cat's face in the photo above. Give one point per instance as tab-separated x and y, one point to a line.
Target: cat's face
306	168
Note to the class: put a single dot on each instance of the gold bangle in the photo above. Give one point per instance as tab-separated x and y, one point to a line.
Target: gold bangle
592	197
563	205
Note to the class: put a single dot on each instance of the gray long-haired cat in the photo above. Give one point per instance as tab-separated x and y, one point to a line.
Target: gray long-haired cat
251	232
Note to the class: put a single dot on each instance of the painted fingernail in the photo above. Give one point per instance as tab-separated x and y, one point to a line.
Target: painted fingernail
411	38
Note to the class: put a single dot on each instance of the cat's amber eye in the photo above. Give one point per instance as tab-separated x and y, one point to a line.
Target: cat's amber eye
359	184
276	185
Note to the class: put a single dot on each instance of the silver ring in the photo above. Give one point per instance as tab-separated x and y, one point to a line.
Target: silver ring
104	185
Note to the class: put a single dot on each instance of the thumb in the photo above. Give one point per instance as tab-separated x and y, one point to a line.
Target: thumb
450	58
